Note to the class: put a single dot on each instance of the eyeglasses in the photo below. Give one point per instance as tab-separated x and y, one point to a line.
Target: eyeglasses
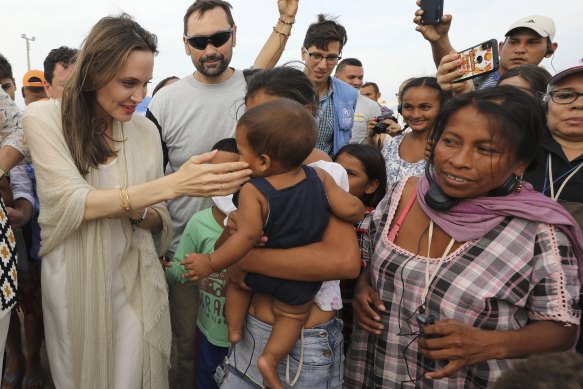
217	39
331	59
564	96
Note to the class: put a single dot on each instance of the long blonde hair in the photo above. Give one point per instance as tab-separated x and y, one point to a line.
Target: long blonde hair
103	54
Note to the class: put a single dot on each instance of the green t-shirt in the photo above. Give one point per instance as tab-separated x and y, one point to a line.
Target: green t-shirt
199	236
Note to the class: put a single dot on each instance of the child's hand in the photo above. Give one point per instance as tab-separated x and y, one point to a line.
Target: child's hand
198	266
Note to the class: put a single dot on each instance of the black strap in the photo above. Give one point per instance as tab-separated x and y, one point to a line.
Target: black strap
153	119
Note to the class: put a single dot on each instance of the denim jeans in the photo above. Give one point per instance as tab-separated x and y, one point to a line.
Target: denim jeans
322	366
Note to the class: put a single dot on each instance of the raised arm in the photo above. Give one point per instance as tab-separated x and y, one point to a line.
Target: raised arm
194	178
53	163
343	204
275	44
336	256
436	35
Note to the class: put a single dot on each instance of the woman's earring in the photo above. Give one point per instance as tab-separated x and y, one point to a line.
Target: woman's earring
519	186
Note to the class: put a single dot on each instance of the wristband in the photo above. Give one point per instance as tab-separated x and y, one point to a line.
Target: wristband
286	22
137	222
281	33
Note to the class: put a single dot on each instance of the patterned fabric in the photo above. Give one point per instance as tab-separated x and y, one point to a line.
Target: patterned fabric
325	119
397	169
11	133
347	286
363	236
8	280
517	272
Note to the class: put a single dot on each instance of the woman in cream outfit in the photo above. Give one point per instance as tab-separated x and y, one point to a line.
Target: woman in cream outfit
103	218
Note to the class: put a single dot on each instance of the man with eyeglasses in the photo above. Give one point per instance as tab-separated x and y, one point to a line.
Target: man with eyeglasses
321	52
6	77
192	115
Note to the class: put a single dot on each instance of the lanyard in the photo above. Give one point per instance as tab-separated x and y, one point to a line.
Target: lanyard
430	277
569	173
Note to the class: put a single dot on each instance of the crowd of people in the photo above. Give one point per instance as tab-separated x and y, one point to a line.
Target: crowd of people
284	227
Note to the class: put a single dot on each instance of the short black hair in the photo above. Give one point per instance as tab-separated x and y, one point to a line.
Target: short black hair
348	62
64	55
324	31
227	144
5	68
202	6
374	86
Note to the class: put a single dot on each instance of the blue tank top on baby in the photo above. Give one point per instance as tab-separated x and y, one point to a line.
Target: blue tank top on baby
298	215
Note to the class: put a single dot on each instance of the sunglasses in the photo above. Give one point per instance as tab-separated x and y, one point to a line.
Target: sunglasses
217	39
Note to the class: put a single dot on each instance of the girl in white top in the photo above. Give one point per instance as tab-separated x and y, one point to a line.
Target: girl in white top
404	154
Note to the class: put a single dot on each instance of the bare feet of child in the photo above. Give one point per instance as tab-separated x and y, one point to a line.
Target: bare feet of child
268	368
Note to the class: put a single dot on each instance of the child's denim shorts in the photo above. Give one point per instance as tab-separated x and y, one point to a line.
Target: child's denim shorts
322	366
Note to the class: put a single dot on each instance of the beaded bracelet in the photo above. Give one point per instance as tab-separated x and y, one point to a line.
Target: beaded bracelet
286	22
281	33
136	222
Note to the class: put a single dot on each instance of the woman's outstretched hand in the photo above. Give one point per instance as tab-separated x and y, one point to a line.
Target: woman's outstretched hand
197	178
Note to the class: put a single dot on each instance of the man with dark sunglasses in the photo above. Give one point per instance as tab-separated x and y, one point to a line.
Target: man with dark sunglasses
321	52
193	114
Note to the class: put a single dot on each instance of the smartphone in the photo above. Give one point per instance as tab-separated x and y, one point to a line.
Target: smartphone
424	320
479	60
432	11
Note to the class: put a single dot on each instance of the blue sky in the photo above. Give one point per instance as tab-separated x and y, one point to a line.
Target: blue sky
380	32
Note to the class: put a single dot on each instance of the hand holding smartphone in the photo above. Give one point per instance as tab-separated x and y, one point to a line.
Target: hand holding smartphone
424	320
479	60
432	12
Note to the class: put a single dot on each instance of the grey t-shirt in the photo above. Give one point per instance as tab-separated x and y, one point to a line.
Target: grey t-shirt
193	117
365	110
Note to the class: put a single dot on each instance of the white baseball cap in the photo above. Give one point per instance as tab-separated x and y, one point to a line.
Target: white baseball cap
542	25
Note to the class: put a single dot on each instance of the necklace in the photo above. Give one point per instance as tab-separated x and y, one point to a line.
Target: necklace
430	277
569	173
